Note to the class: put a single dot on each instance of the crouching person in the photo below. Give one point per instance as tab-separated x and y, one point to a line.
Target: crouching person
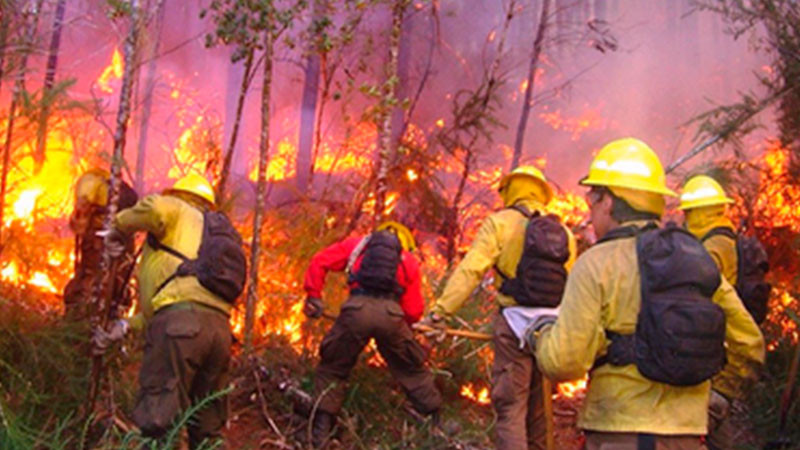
191	272
656	284
385	298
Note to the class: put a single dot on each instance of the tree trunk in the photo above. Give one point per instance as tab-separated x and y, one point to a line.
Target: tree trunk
4	25
49	80
538	43
308	112
100	301
388	103
31	17
228	161
258	219
147	104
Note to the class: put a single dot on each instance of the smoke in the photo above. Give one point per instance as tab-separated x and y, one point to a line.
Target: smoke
668	65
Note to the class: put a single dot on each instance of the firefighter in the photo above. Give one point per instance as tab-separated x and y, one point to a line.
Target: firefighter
188	339
602	309
91	200
704	204
516	393
385	299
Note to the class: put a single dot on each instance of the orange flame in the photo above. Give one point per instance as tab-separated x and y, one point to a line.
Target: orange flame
111	73
471	392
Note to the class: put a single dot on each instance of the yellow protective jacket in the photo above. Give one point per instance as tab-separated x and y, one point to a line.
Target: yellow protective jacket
722	249
499	242
177	224
603	293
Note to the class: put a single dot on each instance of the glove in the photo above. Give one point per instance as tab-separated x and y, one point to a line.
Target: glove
313	307
102	339
538	320
114	241
432	326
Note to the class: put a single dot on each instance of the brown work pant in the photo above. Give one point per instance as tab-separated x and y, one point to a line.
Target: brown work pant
516	393
596	440
721	430
362	318
186	355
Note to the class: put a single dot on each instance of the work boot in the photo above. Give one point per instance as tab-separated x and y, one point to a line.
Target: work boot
321	428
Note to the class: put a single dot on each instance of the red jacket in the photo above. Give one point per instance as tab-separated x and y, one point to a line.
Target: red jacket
335	258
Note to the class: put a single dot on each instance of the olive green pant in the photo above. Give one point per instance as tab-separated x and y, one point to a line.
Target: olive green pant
721	430
363	318
631	441
186	355
516	393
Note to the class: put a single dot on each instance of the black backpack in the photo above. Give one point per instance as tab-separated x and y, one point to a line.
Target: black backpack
752	265
377	273
540	276
221	266
680	332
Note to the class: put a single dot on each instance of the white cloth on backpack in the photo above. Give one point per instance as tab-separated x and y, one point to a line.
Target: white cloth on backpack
521	318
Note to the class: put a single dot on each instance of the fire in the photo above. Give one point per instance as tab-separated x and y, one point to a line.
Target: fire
778	201
111	73
411	175
26	202
375	359
589	119
480	397
570	389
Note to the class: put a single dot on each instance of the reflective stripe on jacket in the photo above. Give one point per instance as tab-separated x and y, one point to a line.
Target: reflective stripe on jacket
176	224
499	242
603	293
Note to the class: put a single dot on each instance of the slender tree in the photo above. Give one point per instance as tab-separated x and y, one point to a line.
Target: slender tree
149	89
261	190
250	26
388	103
538	44
5	20
227	161
308	105
100	302
49	80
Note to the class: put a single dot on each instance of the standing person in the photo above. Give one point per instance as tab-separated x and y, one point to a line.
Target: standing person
643	393
704	204
385	298
192	271
503	243
91	201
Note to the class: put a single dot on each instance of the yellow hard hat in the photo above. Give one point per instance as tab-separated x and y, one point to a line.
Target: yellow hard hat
628	163
92	187
529	172
197	185
402	232
702	190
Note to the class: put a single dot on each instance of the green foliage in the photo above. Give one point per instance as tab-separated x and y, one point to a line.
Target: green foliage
243	23
774	28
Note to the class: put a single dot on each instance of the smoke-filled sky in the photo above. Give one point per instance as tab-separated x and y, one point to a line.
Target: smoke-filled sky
668	66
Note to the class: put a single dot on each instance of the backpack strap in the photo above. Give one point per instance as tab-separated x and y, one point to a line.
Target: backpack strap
351	260
623	350
719	231
626	232
153	242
